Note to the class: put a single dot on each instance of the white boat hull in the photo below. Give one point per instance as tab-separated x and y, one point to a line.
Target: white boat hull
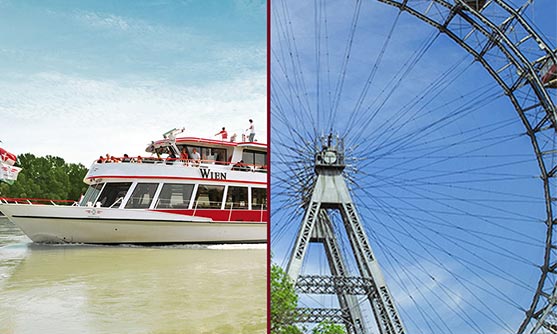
65	224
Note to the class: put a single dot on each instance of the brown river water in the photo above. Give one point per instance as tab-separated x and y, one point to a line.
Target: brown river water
130	289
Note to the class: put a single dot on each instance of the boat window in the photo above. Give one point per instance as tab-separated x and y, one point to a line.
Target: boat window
175	196
213	154
258	199
91	194
255	158
209	197
237	198
207	153
113	192
142	196
190	149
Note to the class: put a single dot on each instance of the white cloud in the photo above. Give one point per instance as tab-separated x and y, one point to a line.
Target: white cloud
80	119
103	21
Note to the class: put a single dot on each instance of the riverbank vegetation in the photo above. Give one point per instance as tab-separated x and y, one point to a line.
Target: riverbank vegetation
46	177
284	303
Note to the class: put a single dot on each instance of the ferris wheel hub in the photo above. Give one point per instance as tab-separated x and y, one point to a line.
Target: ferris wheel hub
331	157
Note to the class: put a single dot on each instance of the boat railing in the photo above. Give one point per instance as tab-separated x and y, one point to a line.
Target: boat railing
195	207
262	211
38	201
262	208
169	204
237	166
118	201
230	206
202	204
230	211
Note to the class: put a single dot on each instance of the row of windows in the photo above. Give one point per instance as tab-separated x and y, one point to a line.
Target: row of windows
249	157
176	196
206	153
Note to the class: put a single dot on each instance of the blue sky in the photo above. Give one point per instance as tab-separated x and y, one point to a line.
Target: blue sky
84	78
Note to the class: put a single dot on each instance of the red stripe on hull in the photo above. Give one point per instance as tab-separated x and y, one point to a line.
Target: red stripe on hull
223	215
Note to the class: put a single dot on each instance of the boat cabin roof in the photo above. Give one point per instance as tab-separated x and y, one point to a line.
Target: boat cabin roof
204	142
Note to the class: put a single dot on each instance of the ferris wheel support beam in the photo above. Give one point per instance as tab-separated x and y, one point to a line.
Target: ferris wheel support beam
523	81
317	227
331	193
349	305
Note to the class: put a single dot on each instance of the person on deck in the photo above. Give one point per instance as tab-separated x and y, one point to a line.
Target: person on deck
251	130
195	156
241	166
223	133
184	156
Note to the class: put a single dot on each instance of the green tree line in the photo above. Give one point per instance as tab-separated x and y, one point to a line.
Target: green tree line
46	177
284	301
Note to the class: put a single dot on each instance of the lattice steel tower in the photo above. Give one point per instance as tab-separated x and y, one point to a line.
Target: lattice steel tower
330	192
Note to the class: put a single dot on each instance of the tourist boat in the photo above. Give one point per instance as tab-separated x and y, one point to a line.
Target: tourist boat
218	197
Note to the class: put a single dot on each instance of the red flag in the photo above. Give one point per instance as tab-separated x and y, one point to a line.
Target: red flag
7	157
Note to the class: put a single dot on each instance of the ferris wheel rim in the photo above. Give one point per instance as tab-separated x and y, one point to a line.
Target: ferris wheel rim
549	107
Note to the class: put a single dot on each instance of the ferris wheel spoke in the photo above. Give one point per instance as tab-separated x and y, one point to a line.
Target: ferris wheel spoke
434	282
432	259
439	221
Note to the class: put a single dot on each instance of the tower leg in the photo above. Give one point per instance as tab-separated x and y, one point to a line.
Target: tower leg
302	241
349	303
383	308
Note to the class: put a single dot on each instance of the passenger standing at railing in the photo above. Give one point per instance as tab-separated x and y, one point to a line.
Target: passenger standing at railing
184	156
251	130
195	156
223	133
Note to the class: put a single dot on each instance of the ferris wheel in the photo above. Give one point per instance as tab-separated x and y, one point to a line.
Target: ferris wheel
449	136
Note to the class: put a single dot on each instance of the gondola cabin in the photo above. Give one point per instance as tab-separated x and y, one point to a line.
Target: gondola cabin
549	74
